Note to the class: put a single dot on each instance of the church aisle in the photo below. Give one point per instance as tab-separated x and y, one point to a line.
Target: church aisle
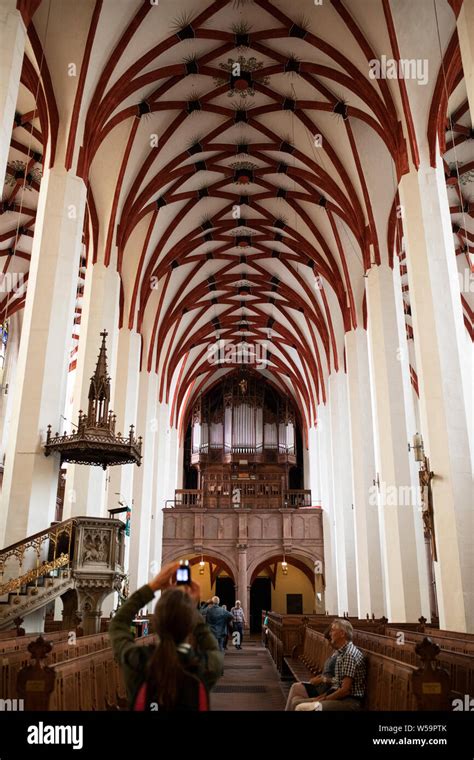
250	681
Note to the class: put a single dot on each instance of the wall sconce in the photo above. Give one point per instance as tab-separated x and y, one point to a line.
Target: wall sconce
417	447
201	566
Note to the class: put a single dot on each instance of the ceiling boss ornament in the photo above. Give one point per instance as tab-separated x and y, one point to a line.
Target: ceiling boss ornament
95	442
243	74
244	172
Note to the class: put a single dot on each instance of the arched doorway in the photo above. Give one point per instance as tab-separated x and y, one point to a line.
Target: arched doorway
282	584
215	578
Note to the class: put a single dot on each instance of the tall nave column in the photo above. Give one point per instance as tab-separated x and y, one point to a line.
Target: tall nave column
85	485
125	406
31	479
141	525
325	475
444	365
366	519
12	49
9	373
402	543
342	494
165	476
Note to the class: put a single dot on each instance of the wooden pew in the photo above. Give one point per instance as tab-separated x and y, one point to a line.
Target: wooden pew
450	634
459	665
90	682
447	642
12	662
391	683
17	643
275	647
289	628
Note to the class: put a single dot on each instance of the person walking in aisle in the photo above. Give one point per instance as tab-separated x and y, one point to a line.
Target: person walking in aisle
239	622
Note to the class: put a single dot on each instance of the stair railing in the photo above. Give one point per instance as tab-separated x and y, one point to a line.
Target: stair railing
58	537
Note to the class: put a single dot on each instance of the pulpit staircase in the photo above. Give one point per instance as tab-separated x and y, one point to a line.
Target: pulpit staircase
85	554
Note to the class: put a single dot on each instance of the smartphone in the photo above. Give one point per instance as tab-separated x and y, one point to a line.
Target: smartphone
183	575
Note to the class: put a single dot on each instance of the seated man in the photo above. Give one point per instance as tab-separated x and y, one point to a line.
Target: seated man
348	687
306	691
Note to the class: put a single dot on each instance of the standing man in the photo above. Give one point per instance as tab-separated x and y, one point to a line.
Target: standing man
217	619
239	622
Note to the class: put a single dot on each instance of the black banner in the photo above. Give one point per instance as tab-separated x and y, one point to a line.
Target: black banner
106	735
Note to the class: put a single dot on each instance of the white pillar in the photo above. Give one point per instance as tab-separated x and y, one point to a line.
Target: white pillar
167	473
30	479
342	494
161	494
398	487
444	384
324	441
311	475
126	408
242	580
141	523
86	485
367	538
12	49
9	374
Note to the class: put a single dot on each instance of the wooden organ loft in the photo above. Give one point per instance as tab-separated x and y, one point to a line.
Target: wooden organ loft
243	448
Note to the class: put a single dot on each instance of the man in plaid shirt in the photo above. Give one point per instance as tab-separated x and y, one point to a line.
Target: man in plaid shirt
239	622
348	686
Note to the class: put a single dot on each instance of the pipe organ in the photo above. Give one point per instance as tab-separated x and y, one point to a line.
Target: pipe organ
243	441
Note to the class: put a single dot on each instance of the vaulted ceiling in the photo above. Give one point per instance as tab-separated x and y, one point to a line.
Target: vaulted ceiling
224	145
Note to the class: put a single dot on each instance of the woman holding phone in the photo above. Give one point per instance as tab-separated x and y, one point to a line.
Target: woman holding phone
178	672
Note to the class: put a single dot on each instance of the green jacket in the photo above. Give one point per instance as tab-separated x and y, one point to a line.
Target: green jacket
134	658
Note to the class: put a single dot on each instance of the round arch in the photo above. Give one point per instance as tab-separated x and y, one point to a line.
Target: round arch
291	560
213	559
194	559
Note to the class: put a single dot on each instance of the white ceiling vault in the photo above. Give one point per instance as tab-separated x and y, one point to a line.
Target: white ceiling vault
234	202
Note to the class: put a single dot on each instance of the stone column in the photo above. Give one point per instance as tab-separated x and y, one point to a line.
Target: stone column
329	569
12	50
86	485
9	375
366	520
443	375
127	372
141	525
312	476
161	491
397	486
242	583
30	479
90	596
342	494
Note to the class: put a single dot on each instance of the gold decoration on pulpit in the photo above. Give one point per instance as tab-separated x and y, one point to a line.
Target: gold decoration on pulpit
243	386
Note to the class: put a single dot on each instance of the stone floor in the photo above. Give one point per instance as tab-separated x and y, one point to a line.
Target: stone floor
250	682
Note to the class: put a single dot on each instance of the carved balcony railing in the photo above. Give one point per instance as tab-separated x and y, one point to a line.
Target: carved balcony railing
242	494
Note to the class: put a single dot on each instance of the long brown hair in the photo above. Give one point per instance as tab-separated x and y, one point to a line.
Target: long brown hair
175	618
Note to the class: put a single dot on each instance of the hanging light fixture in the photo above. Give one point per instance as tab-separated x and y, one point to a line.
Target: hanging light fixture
284	566
201	566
